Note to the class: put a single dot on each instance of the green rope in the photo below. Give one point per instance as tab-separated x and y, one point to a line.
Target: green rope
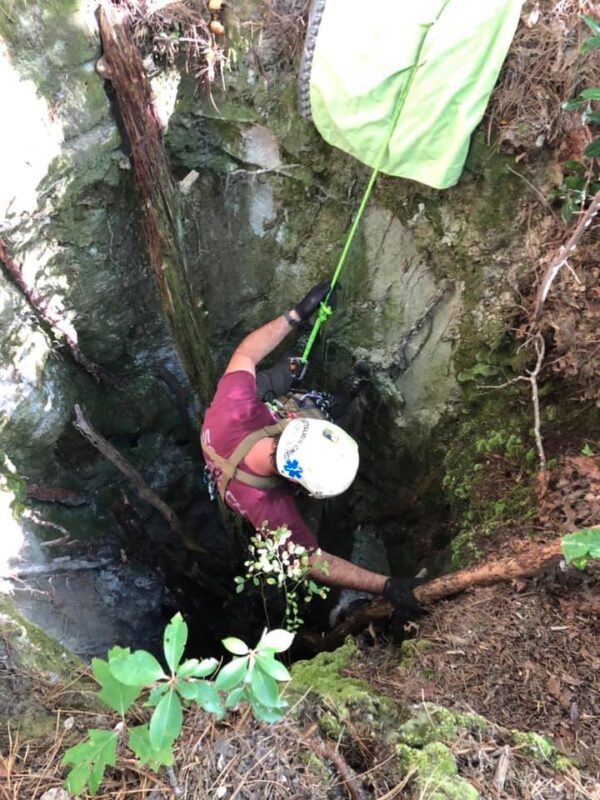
325	309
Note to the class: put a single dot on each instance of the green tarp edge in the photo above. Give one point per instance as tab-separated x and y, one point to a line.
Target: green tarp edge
361	64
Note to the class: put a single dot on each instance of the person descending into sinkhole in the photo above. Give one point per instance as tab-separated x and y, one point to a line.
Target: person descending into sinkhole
263	442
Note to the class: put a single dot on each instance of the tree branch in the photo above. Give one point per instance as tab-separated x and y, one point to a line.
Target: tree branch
526	562
55	326
563	254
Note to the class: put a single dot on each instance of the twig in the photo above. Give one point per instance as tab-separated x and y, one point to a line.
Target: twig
66	536
563	254
531	378
339	762
540	349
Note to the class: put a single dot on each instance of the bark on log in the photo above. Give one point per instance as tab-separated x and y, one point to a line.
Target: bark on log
161	201
524	563
54	324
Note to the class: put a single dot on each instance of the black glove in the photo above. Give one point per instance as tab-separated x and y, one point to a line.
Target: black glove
309	304
398	591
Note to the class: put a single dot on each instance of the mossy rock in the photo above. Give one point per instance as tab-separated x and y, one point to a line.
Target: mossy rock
541	750
322	678
435	723
436	772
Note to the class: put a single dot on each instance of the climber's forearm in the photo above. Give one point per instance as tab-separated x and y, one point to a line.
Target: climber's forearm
342	573
259	344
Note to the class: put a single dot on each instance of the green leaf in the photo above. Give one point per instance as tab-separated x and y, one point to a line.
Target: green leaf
208	698
592	43
575	166
174	640
135	669
592	117
77	779
592	24
232	674
186	688
567	209
114	694
267	714
156	693
586	450
139	742
573	104
166	721
593	93
593	149
234	697
574	182
192	668
90	758
275	669
277	641
264	689
578	547
235	646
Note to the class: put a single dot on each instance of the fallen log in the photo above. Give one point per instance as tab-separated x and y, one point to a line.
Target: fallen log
527	561
122	65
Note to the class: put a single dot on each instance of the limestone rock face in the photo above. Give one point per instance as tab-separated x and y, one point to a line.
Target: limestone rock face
430	272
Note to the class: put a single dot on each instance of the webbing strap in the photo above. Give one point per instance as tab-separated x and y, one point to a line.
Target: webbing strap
229	466
325	308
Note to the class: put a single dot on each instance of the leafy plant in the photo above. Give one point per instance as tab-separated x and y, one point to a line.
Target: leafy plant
276	561
578	548
252	677
581	181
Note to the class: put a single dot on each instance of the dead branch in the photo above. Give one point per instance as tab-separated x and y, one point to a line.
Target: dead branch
563	254
54	324
56	566
84	426
526	562
532	379
540	348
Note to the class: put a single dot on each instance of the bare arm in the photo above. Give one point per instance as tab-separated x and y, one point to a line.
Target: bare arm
343	573
259	344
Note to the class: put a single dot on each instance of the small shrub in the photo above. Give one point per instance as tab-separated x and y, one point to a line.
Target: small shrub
252	677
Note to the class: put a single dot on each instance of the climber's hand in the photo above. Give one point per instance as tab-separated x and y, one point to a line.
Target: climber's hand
399	592
309	304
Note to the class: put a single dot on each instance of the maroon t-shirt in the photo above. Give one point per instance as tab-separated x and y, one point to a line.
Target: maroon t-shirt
234	413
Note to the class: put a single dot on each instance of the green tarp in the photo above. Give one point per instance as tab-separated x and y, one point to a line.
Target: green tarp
361	64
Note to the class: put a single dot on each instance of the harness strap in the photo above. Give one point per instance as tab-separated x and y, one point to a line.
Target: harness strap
229	466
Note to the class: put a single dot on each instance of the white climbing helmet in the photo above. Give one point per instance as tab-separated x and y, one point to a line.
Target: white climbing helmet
318	455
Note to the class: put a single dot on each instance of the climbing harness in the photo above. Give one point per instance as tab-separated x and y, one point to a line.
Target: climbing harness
312	405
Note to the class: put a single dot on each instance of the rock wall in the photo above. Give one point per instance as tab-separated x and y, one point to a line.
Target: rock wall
427	285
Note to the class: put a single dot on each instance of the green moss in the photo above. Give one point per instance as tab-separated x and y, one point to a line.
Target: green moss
321	676
35	650
410	648
435	772
435	723
314	765
541	750
331	726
